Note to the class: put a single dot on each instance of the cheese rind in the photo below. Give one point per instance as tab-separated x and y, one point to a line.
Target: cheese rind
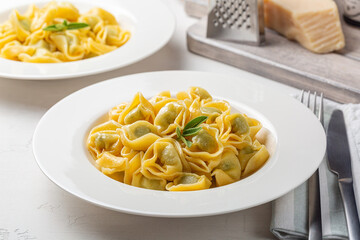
315	24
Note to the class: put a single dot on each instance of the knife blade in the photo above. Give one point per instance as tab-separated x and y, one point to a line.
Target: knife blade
339	162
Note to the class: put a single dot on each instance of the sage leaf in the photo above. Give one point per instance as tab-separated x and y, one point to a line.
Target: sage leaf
178	132
65	26
54	28
195	122
72	26
187	142
191	131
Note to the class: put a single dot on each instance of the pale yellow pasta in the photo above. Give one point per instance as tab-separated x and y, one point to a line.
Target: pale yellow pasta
139	135
189	182
23	38
138	109
171	116
105	138
109	164
205	152
139	180
161	100
214	109
234	129
256	161
140	145
228	170
164	159
133	166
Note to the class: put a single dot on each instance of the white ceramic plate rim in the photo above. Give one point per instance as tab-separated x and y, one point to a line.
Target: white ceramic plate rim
151	22
59	145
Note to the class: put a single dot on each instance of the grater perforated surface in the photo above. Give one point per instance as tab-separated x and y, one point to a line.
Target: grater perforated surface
236	20
231	14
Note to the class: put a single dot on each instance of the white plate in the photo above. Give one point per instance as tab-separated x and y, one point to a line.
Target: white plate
151	24
59	145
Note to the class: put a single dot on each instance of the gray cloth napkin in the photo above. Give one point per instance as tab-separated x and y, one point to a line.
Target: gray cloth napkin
290	212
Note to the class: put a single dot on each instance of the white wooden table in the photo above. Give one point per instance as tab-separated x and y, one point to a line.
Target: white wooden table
32	207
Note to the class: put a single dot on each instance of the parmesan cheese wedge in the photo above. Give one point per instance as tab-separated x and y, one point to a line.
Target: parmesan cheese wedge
315	24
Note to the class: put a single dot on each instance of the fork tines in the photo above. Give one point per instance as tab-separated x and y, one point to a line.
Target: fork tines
315	228
318	111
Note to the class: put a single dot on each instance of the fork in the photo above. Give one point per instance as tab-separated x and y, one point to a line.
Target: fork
315	229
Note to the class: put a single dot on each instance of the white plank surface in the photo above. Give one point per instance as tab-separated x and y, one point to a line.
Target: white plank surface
32	207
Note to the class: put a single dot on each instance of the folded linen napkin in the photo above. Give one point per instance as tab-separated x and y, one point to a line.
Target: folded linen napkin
290	212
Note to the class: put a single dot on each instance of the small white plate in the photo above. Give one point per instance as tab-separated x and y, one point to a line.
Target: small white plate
150	22
60	150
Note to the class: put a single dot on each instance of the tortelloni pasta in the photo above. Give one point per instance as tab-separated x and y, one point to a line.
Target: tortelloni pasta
23	38
161	144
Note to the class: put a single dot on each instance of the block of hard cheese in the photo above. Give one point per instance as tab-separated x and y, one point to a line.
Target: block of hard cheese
315	24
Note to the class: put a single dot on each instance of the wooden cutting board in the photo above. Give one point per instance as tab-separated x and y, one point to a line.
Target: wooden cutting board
337	74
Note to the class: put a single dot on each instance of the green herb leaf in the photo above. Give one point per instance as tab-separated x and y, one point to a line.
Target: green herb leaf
191	131
187	142
54	28
65	26
195	122
72	26
178	132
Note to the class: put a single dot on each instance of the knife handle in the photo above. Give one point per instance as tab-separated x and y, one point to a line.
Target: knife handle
352	218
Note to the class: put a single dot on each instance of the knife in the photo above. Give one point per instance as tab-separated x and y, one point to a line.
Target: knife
339	161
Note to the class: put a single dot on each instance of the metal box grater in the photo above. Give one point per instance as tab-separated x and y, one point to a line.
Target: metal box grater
236	20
